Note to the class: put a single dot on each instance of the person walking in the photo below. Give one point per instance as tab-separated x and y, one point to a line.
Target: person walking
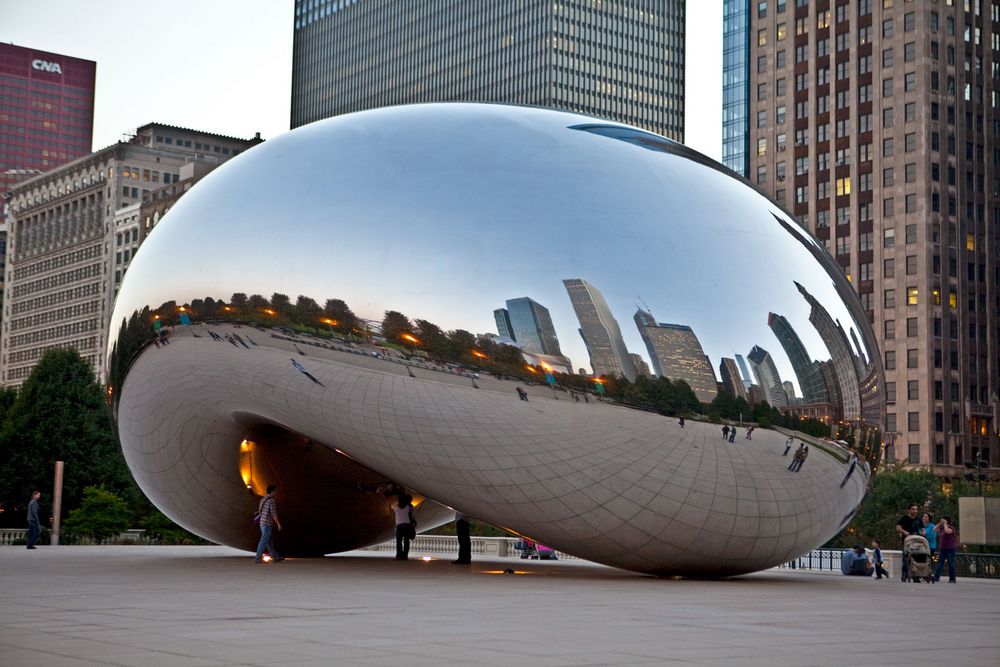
797	458
34	526
850	469
802	459
725	433
908	524
268	513
788	444
405	525
464	540
681	422
749	433
877	560
948	541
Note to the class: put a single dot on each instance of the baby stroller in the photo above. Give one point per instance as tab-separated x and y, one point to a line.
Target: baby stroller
527	548
917	555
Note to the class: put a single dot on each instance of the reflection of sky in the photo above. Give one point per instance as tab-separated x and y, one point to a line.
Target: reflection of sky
444	212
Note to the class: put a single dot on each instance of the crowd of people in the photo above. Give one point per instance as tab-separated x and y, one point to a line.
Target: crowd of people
926	545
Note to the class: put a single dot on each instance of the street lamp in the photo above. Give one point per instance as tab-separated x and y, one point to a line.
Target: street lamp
978	466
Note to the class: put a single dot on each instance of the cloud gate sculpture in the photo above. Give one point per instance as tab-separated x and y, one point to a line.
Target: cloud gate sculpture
484	290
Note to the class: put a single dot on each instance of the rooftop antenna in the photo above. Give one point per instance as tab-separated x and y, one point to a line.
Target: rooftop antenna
646	305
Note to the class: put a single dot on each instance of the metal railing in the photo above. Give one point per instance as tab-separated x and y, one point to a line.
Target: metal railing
975	566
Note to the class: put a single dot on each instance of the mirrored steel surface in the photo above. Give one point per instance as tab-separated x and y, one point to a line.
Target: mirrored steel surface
625	242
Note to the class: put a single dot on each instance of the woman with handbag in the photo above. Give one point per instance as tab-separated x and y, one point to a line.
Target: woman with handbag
406	525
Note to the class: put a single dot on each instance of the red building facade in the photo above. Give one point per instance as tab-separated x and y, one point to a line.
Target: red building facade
46	112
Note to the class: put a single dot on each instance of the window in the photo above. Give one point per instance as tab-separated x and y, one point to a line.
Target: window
912	296
912	358
889	238
911	203
890	329
781	31
888	207
889	298
911	265
911	327
911	142
913	390
761	147
911	172
889	268
844	186
910	81
913	451
887	58
890	361
887	147
887	87
890	392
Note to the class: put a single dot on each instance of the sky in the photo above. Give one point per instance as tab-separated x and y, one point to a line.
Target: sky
225	67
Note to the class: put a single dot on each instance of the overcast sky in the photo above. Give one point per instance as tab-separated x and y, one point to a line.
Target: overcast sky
225	67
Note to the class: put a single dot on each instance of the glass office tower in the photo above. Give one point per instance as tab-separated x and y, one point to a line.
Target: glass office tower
616	59
735	84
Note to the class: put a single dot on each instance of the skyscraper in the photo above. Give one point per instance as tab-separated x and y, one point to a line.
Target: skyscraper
677	354
616	59
599	330
878	125
504	327
63	241
767	376
744	372
531	325
46	112
731	380
806	370
736	84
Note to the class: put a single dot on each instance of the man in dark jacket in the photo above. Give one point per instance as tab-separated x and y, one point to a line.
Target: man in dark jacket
34	527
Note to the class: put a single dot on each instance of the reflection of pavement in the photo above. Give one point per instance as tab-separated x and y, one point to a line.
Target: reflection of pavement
210	606
608	483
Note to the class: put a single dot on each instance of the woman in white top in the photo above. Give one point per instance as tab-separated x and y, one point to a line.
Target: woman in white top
405	525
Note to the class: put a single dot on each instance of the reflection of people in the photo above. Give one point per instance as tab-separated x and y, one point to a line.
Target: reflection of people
268	510
850	469
681	422
948	538
403	512
749	432
799	457
464	540
725	433
300	368
732	434
521	393
34	526
788	444
908	524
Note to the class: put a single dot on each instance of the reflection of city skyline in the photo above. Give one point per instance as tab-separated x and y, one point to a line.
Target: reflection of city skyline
599	330
677	354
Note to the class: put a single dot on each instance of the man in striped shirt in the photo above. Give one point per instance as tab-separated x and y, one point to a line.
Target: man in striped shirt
268	510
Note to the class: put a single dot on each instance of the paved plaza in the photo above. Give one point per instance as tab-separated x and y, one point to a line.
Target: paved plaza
151	606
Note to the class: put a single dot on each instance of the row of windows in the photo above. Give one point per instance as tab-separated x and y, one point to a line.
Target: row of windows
55	315
61	331
186	143
36	353
56	298
28	270
64	278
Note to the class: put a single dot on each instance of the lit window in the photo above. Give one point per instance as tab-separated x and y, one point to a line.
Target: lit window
911	296
970	242
952	300
844	186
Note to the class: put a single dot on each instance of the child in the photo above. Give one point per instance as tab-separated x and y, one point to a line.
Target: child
877	558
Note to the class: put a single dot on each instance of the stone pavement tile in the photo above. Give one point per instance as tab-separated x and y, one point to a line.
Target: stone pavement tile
155	659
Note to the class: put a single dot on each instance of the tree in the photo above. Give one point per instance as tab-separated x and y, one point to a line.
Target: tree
256	303
394	325
238	301
344	319
281	304
306	311
102	515
60	413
